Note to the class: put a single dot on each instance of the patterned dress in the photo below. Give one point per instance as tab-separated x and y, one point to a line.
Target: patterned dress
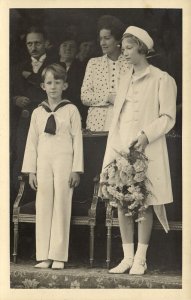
101	78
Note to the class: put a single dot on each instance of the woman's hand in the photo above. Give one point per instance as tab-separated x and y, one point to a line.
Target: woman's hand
140	143
111	98
74	180
33	181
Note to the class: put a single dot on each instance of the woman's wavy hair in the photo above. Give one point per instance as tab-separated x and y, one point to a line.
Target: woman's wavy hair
113	24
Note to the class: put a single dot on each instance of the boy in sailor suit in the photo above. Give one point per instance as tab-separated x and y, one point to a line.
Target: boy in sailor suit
53	158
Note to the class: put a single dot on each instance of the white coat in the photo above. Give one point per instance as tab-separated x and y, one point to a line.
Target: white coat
95	90
53	158
153	110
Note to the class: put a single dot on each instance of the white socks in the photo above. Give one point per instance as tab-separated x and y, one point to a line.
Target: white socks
128	250
136	264
141	251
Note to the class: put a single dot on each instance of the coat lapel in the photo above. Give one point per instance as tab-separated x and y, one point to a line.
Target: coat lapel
120	99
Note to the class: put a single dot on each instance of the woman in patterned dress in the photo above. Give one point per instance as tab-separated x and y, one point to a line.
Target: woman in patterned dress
102	75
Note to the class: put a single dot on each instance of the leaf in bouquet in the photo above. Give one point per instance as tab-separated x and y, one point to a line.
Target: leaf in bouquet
111	171
129	214
113	203
135	154
137	196
104	192
139	165
140	176
128	168
103	177
134	188
128	197
124	189
143	208
133	205
115	180
140	219
126	178
113	162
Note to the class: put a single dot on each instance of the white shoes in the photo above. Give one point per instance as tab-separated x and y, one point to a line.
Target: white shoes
44	264
58	265
124	266
136	267
139	267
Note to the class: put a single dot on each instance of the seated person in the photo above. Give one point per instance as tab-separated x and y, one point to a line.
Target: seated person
87	49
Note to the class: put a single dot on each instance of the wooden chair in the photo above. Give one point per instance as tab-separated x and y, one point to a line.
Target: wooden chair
24	212
174	211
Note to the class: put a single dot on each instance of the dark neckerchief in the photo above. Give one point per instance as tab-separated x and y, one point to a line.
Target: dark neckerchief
51	123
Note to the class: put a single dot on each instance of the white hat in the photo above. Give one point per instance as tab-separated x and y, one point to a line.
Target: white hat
141	34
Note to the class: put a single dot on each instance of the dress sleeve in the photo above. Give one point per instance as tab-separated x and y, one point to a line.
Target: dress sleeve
167	109
76	131
30	155
89	96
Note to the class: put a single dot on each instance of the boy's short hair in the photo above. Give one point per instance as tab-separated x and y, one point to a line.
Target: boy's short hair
58	71
143	49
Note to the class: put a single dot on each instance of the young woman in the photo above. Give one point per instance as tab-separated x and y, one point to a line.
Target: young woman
144	112
102	75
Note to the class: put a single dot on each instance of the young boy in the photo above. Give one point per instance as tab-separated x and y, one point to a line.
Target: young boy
53	158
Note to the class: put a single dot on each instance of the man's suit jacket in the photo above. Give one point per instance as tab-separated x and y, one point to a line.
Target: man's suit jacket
75	77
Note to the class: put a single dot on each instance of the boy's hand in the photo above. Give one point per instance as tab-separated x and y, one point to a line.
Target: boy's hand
74	180
33	181
140	143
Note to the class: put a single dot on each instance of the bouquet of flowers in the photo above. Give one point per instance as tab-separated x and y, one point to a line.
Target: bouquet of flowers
124	183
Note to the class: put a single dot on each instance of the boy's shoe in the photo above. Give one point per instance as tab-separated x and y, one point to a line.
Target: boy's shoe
139	267
45	264
58	265
123	266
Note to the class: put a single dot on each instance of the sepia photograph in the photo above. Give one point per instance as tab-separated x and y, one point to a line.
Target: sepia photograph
95	150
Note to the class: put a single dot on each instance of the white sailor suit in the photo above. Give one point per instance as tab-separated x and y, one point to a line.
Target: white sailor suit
53	157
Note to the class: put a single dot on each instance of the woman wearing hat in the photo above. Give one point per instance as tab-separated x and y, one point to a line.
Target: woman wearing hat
145	111
102	75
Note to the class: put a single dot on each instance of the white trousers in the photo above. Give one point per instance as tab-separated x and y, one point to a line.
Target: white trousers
53	207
